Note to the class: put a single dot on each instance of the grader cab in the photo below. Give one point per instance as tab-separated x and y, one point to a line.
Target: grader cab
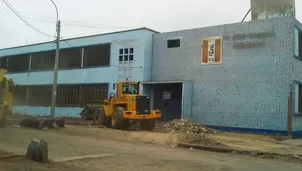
124	107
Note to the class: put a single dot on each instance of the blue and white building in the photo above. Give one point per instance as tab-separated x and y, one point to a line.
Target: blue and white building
88	68
239	77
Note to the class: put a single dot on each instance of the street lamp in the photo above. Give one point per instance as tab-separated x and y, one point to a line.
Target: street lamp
55	72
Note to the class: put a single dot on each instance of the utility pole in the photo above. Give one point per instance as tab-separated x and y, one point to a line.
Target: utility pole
55	73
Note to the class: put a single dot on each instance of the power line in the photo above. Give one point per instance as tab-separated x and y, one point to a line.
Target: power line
246	14
23	19
72	22
67	42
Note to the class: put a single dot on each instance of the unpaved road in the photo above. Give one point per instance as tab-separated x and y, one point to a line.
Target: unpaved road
128	152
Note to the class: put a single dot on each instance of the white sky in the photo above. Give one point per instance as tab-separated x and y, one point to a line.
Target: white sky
113	15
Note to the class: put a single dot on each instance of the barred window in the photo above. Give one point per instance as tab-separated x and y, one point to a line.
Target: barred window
20	95
93	94
67	95
39	95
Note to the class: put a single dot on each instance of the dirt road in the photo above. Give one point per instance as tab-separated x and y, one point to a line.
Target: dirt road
127	154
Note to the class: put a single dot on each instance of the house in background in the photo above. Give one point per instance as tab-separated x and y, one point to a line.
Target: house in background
88	67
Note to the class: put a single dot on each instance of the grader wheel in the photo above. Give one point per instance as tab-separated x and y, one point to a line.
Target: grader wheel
117	120
147	125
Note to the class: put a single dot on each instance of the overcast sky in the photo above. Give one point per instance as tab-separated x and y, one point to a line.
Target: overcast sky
101	16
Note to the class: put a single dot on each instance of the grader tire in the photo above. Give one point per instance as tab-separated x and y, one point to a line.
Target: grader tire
117	120
147	125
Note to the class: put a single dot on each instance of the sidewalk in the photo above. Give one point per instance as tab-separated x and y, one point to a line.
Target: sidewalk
259	143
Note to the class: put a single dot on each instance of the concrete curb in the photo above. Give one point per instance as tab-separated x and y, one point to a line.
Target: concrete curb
11	157
233	150
67	159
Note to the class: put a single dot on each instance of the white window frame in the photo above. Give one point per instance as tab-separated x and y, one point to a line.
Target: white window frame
126	54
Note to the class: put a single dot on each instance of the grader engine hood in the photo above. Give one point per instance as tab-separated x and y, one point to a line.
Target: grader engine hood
142	105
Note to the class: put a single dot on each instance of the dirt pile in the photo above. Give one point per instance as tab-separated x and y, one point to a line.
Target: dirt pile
34	121
184	126
190	132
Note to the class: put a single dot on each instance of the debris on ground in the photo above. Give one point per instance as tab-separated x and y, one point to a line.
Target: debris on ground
40	122
15	119
190	132
185	126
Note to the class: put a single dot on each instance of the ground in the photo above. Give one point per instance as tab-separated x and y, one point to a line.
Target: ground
132	150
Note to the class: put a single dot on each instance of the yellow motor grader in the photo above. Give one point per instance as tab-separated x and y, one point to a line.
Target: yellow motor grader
124	107
6	96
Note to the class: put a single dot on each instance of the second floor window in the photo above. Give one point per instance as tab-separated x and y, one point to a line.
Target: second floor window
126	54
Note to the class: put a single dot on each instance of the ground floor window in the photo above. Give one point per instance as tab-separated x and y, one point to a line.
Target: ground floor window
298	98
67	95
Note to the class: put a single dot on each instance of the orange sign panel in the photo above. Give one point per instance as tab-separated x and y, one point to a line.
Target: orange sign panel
211	50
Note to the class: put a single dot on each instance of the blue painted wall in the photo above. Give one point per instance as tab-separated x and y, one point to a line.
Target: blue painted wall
249	90
140	40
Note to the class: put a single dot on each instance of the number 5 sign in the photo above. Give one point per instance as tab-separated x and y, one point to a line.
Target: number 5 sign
211	50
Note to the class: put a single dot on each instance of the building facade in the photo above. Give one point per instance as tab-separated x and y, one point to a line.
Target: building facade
88	68
253	84
238	77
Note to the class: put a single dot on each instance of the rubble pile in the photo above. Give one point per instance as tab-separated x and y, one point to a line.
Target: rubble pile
190	132
185	126
16	118
23	120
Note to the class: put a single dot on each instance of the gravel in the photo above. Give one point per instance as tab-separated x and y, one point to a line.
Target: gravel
184	126
190	132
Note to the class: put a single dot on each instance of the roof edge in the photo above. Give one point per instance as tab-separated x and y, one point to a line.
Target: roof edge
93	35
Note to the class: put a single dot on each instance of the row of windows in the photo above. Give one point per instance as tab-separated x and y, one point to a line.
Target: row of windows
67	95
92	56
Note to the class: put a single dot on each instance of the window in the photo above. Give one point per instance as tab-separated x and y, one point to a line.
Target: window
93	94
3	62
20	95
126	54
130	88
39	95
298	98
67	95
300	43
98	55
18	63
70	58
173	43
43	61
